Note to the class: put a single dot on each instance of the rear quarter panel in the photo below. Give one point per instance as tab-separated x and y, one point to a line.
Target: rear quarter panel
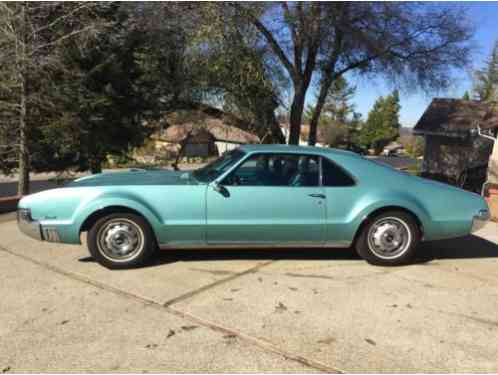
443	211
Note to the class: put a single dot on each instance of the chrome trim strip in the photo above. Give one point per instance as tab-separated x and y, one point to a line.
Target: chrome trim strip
245	245
49	222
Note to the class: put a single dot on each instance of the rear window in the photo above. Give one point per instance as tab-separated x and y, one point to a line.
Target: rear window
333	175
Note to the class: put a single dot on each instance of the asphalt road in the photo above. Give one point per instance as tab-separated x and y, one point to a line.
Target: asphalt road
295	311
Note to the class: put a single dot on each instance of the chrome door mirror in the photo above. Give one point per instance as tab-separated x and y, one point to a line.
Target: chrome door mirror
219	188
216	186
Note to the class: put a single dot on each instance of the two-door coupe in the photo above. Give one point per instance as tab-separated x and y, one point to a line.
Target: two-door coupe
255	195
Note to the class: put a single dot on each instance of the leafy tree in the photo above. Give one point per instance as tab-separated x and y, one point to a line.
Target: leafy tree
235	72
338	119
328	40
486	86
105	96
337	104
414	146
382	125
31	36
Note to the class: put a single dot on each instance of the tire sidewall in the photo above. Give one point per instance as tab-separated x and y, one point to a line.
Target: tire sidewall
363	248
138	259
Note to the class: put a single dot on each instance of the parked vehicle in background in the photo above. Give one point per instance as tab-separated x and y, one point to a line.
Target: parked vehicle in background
255	196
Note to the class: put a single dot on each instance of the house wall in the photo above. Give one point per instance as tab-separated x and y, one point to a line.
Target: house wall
225	146
451	156
493	165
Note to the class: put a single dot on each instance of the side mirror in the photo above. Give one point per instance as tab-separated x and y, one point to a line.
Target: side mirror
216	186
220	189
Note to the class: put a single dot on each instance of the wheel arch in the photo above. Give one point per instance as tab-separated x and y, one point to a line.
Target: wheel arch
376	212
100	213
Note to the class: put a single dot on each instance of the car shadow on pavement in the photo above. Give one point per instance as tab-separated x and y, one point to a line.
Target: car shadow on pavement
459	248
213	255
467	247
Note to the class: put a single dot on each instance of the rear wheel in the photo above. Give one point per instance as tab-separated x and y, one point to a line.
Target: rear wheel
121	240
389	239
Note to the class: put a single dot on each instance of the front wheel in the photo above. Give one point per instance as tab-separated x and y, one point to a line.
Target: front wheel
121	240
389	239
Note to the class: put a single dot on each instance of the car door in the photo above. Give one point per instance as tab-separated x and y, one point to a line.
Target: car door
343	195
267	200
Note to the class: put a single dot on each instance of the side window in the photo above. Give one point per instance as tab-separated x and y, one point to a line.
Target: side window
276	170
333	175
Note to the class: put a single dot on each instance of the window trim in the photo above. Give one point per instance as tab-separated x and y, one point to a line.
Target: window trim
344	170
250	155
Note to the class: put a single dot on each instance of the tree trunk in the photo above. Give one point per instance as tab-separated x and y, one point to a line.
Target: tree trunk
324	89
24	165
274	127
95	165
296	115
23	184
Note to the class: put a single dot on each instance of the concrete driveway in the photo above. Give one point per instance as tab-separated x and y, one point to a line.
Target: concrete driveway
249	311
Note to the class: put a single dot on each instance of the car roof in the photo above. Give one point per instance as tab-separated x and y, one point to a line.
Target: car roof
295	149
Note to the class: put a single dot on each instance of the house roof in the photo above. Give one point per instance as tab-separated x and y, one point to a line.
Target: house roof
393	146
185	123
455	117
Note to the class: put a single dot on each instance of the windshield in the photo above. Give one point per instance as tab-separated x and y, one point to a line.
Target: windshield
217	167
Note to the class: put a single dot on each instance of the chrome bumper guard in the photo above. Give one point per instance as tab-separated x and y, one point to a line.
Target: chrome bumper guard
34	229
27	225
480	220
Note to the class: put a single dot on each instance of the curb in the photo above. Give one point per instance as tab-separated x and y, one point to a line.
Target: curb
9	204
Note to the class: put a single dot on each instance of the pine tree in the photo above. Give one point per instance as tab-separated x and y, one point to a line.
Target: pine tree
486	86
382	125
466	96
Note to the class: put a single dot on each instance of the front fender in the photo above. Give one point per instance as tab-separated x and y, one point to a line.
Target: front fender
129	201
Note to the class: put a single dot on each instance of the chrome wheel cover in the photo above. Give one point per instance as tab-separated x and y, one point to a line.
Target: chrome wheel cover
120	240
389	238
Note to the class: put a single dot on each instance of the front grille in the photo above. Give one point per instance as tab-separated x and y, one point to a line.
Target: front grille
51	235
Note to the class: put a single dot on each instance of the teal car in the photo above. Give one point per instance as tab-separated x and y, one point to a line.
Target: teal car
255	196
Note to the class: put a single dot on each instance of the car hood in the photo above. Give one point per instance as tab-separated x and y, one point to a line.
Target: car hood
138	177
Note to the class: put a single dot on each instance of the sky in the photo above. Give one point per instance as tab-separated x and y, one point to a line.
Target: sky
485	17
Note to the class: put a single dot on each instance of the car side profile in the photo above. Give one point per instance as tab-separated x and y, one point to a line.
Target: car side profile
255	196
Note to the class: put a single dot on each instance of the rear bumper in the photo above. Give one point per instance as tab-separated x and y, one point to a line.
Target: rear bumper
480	220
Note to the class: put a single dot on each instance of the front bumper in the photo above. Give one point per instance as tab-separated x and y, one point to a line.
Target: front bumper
27	225
480	220
34	229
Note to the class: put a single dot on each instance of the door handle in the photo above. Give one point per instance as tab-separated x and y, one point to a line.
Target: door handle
322	196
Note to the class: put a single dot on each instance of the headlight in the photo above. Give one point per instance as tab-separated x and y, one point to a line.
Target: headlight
24	214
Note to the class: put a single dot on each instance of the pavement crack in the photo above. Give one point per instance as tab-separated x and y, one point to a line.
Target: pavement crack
484	321
213	272
216	283
260	343
310	276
